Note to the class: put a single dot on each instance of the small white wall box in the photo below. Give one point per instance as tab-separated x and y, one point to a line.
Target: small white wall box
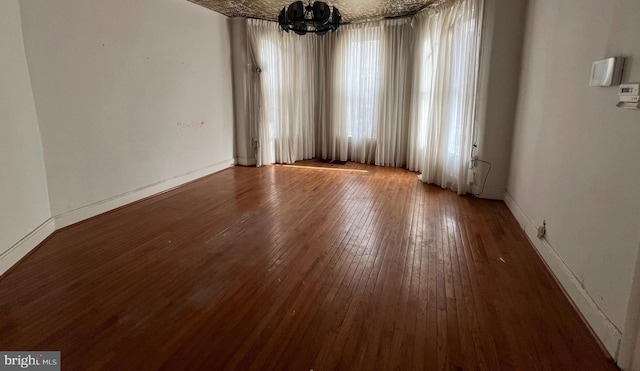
629	92
607	72
629	96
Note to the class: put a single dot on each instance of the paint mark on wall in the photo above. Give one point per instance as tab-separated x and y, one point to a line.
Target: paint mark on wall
190	125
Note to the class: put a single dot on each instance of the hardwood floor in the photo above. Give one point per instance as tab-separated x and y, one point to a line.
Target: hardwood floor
296	268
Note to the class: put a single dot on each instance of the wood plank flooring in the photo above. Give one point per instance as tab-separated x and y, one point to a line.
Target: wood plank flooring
296	268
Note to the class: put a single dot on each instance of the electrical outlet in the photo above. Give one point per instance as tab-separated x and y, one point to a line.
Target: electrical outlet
542	229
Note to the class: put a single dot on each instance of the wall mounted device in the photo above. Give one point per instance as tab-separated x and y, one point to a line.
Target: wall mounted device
629	96
607	72
629	92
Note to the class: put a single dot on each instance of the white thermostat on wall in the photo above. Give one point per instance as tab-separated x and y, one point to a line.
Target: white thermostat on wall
629	92
629	96
607	72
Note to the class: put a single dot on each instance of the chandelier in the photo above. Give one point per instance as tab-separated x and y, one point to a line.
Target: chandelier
316	17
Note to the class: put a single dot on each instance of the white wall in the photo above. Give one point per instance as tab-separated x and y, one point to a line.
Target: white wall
24	201
133	97
629	353
575	160
498	92
241	83
636	355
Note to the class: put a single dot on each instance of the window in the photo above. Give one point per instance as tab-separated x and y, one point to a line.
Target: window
361	86
271	86
358	77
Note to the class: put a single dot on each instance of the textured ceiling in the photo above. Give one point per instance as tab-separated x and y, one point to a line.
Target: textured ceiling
352	10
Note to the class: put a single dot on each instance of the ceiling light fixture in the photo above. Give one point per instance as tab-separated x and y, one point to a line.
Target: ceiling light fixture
317	17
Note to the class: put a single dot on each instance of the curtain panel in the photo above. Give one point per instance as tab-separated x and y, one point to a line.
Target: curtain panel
444	97
285	93
396	92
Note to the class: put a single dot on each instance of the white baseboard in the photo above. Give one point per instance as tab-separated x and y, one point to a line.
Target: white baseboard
21	248
604	329
33	239
489	193
246	161
97	208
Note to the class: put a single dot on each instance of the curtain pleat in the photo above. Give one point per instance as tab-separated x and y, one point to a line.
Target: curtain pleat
395	92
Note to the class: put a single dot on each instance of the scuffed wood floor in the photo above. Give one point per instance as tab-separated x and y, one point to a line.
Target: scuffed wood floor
296	268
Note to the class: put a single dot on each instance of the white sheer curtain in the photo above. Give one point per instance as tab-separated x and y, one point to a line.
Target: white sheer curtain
444	96
395	92
396	83
285	92
357	91
370	81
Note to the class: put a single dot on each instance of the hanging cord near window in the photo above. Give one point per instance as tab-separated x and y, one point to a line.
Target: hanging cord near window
474	159
484	182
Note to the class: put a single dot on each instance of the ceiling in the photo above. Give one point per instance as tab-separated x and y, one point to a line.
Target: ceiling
352	10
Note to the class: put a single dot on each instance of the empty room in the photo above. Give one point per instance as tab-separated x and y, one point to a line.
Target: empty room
320	185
